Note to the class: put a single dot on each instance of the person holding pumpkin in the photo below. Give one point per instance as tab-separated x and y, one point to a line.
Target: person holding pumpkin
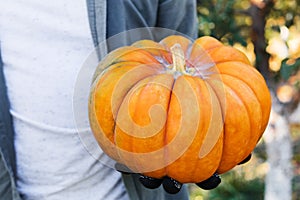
42	46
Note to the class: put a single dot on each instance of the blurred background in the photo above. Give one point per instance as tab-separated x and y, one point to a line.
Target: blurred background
268	31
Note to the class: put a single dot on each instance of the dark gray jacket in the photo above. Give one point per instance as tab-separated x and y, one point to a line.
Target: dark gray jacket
178	15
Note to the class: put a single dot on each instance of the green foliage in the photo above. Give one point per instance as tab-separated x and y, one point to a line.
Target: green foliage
218	18
234	186
289	68
286	10
296	187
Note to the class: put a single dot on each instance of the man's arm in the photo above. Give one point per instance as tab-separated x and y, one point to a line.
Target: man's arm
173	15
179	15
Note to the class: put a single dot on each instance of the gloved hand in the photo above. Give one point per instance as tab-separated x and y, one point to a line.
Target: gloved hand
172	186
215	179
246	159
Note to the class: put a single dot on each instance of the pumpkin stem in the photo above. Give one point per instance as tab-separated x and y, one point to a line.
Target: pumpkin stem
178	58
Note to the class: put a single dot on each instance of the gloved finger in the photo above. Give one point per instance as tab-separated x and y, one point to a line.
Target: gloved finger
171	186
246	159
150	182
210	183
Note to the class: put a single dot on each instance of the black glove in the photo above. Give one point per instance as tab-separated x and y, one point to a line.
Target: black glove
246	159
171	185
215	179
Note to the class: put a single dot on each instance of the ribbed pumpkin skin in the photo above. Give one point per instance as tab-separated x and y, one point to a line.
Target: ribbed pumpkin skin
185	125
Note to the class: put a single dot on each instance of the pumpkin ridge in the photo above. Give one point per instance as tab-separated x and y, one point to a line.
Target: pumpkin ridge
92	115
263	97
218	55
133	85
211	40
154	48
135	101
210	49
170	138
95	87
254	131
225	108
212	93
128	91
169	41
221	98
180	166
166	125
229	138
97	83
122	53
198	161
102	74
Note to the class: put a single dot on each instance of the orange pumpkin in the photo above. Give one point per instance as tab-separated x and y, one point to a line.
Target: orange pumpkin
178	108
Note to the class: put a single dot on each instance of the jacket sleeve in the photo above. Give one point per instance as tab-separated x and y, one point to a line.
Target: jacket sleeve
178	15
175	15
123	15
7	151
6	128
